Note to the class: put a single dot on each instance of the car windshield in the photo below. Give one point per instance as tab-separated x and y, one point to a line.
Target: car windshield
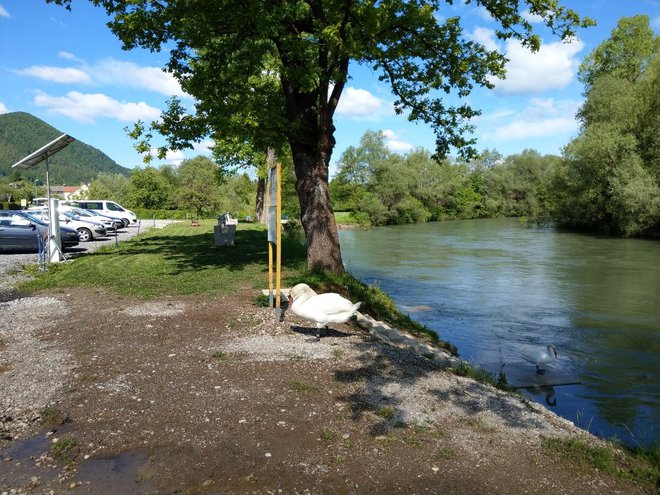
114	206
33	218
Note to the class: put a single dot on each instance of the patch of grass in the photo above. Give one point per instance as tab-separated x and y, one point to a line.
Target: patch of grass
327	435
386	412
220	356
479	424
49	416
438	432
420	429
413	440
469	371
65	449
338	353
444	454
639	465
303	388
342	416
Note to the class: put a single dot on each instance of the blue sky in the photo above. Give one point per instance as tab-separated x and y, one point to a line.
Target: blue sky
68	69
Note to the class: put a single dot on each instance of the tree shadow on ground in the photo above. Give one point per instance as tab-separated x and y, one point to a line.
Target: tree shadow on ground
198	251
389	376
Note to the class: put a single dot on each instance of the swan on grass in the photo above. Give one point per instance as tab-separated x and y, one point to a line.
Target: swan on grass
539	357
322	309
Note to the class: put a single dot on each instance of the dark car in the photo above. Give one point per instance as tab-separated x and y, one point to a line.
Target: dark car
20	231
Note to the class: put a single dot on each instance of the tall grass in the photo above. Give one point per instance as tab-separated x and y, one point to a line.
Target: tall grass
639	465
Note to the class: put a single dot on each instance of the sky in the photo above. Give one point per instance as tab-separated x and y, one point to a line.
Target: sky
68	69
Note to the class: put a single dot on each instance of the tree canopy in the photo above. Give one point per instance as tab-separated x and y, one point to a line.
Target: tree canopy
610	179
381	187
261	71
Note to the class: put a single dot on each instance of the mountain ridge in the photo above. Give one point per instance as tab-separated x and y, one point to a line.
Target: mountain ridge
22	133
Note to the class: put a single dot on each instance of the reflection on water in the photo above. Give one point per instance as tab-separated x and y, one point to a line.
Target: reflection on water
494	289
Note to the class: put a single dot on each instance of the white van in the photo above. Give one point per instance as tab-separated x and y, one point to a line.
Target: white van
107	208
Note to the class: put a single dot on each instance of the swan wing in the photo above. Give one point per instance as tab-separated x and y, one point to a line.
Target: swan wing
325	308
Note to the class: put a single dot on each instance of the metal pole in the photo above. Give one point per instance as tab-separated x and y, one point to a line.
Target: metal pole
278	256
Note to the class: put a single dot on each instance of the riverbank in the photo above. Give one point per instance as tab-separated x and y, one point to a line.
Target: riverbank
207	393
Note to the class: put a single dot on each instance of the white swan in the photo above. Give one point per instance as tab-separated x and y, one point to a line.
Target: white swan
540	356
322	309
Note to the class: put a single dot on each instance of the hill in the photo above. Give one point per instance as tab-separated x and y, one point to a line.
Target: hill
22	133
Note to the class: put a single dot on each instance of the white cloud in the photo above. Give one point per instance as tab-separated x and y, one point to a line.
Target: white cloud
3	12
486	37
656	22
394	143
70	56
542	117
3	108
57	74
553	67
116	72
108	72
173	157
483	14
203	148
531	18
360	104
88	107
497	115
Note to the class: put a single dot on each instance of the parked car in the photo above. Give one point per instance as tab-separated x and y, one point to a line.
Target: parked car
107	208
20	231
111	224
87	230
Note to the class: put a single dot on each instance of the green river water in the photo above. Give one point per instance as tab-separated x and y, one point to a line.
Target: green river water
497	289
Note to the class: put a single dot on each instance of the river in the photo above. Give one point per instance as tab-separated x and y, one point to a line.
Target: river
497	289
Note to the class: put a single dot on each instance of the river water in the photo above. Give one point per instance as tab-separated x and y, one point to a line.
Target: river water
497	289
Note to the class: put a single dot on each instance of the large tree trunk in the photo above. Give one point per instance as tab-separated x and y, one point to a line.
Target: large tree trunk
311	136
316	214
261	208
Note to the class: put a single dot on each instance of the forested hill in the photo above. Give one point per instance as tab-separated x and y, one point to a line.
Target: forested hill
22	134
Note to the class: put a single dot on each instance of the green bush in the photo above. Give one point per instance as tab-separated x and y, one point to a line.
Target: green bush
146	214
10	206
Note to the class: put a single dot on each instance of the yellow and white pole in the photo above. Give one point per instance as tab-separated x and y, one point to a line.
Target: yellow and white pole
278	256
275	238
